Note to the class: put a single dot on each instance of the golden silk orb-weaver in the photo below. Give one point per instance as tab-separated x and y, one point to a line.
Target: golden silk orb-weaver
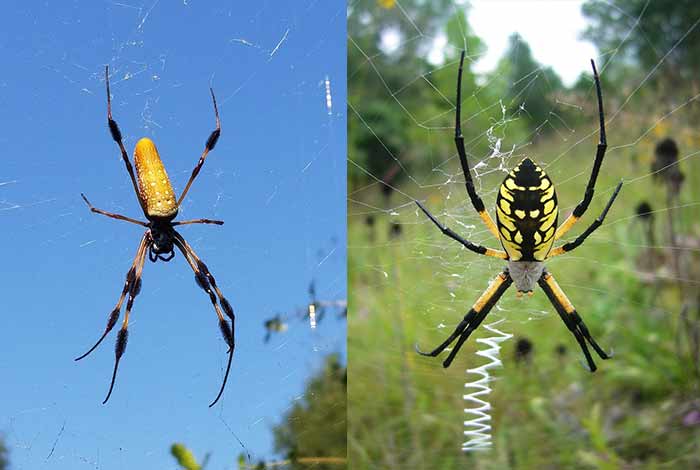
526	226
157	200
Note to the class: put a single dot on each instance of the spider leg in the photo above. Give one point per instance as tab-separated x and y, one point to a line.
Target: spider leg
209	146
130	281
198	221
204	280
468	318
469	245
459	143
111	214
473	318
117	136
123	334
203	268
464	336
571	318
580	209
566	247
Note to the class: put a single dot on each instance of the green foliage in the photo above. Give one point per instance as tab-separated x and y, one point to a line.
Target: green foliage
316	425
313	434
4	458
661	31
532	87
401	107
379	134
185	458
459	32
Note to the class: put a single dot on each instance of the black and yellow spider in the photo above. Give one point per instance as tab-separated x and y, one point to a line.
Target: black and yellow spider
157	200
526	226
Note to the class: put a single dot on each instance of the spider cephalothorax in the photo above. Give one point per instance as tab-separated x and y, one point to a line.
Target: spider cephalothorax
526	226
160	206
162	242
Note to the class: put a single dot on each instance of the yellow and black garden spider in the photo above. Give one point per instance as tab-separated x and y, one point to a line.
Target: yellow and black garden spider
526	226
157	200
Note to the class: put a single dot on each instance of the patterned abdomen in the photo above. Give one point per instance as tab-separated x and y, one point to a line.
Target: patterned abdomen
154	186
526	212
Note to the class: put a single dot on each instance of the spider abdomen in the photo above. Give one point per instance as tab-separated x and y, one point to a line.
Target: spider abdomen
526	213
155	189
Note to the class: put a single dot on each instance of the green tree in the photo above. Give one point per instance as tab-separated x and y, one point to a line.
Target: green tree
380	129
666	29
4	459
315	429
185	458
532	87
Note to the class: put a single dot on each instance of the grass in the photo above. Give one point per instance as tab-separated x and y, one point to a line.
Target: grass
406	411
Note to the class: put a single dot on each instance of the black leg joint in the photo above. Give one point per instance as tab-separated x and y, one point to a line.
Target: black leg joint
583	205
213	138
226	332
135	288
113	317
114	130
476	200
201	280
228	310
203	267
475	248
120	347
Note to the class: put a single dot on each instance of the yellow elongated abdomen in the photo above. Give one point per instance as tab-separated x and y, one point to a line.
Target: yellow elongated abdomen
155	189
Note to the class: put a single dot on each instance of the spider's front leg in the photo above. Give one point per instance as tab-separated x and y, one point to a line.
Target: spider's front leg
571	318
462	152
580	209
473	318
117	137
208	147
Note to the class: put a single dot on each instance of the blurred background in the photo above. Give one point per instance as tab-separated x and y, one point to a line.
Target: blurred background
277	178
527	92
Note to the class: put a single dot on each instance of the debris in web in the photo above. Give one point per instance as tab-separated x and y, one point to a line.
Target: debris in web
329	98
279	44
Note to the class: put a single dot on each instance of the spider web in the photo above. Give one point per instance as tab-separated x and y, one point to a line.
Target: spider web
278	72
418	284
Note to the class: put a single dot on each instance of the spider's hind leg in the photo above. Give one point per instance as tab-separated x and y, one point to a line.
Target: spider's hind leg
206	281
123	334
583	330
131	279
225	305
473	318
571	318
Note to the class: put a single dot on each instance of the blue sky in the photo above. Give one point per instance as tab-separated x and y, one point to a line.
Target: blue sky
277	177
